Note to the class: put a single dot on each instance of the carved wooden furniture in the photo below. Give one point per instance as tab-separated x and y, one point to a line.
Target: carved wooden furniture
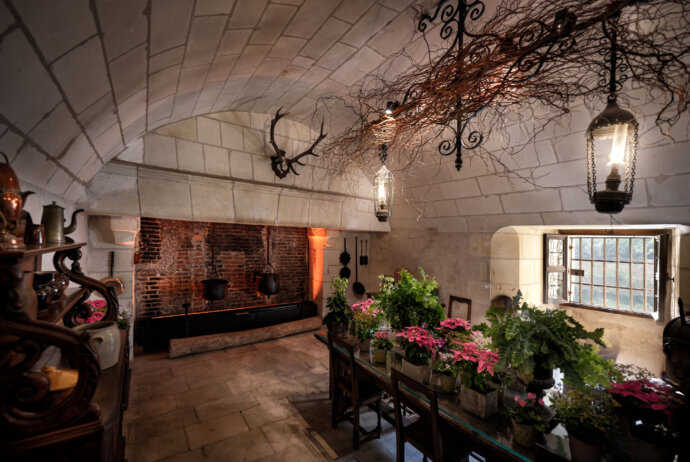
82	423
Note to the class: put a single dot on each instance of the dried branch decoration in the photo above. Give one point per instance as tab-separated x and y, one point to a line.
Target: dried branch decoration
541	54
280	163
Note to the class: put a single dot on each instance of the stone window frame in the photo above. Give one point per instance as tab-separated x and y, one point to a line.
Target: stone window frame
661	263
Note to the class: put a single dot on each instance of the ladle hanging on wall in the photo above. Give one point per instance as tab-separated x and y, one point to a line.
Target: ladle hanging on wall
214	289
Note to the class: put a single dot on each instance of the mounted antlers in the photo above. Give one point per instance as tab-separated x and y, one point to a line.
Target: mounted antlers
280	164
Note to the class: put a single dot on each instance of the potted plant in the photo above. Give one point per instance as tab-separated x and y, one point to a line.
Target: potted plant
647	412
447	368
410	301
589	417
528	417
477	369
419	346
381	345
367	319
339	315
532	342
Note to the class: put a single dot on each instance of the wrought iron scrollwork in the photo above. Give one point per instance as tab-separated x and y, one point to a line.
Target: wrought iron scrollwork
533	49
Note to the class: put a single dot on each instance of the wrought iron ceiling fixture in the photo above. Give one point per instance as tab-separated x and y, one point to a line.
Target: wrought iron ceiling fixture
617	125
533	49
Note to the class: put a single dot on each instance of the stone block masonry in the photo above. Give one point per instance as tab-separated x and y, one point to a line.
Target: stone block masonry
174	256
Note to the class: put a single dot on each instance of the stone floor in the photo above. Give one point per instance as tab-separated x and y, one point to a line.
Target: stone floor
262	402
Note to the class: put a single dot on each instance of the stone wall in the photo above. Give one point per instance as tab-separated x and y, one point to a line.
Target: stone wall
218	168
172	257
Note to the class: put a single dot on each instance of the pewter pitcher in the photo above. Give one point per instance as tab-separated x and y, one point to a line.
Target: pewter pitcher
54	221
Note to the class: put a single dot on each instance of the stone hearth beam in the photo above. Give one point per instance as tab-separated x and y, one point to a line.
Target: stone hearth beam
204	343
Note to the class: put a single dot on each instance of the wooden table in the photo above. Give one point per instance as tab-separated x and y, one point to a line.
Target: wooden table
491	438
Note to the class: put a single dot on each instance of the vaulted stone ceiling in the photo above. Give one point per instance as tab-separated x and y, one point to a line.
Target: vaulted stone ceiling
81	80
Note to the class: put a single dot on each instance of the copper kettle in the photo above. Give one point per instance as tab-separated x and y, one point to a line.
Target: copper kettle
11	203
53	220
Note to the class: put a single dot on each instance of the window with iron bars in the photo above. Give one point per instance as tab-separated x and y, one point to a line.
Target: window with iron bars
618	272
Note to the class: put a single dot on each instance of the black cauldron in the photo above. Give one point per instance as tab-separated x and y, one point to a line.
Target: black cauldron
214	289
269	283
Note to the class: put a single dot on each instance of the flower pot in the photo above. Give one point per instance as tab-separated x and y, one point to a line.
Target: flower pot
105	339
583	452
380	355
524	435
338	330
448	383
418	373
480	404
364	346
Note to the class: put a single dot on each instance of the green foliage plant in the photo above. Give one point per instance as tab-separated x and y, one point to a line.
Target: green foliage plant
588	414
526	337
410	302
338	309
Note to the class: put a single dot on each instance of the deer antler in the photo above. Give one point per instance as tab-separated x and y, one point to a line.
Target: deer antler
280	164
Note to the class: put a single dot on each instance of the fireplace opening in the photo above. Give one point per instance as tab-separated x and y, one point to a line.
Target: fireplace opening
174	257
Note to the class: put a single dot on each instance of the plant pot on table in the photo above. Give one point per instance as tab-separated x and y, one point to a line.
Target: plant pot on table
420	373
339	330
380	355
481	404
524	434
448	383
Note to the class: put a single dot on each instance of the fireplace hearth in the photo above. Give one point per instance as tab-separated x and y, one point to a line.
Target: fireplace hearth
173	257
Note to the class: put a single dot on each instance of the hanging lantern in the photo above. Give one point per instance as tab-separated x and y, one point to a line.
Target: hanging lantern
383	188
619	126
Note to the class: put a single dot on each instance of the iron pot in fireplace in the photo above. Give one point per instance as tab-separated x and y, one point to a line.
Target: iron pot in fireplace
214	289
269	283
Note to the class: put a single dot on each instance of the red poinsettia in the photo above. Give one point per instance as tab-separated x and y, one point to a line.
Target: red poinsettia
645	394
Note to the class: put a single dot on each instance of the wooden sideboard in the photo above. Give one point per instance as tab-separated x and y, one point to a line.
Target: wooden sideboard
81	423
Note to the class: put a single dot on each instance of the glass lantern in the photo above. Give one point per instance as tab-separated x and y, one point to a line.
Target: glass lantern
383	193
619	126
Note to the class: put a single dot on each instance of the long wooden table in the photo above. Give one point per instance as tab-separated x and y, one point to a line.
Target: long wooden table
491	438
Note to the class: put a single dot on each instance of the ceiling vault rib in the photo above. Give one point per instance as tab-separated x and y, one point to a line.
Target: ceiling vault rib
27	140
42	59
99	33
184	57
147	12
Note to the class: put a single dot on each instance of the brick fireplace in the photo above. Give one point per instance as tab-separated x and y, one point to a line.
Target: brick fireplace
173	256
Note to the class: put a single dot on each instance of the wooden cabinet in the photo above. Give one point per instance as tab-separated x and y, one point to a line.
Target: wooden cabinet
82	423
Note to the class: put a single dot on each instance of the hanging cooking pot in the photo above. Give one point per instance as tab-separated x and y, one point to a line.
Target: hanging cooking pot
677	349
214	289
270	284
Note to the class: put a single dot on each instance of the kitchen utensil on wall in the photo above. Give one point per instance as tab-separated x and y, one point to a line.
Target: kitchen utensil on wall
53	220
214	289
361	252
345	272
366	251
11	203
116	284
270	283
357	287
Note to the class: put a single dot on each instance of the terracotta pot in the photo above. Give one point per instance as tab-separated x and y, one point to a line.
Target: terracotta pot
448	383
480	404
419	373
105	339
524	435
380	355
583	452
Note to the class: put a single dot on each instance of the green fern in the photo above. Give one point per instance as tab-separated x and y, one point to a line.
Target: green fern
526	337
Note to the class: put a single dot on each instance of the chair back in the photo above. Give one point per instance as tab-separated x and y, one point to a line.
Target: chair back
404	397
342	362
459	300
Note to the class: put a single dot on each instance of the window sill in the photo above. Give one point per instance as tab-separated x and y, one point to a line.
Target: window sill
608	310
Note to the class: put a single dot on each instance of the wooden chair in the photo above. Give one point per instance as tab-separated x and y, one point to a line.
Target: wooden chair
350	393
459	300
428	434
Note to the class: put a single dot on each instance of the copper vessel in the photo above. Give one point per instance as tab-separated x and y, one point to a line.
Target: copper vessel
11	203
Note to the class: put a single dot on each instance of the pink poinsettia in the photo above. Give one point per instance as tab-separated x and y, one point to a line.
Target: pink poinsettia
362	306
646	394
421	337
469	351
